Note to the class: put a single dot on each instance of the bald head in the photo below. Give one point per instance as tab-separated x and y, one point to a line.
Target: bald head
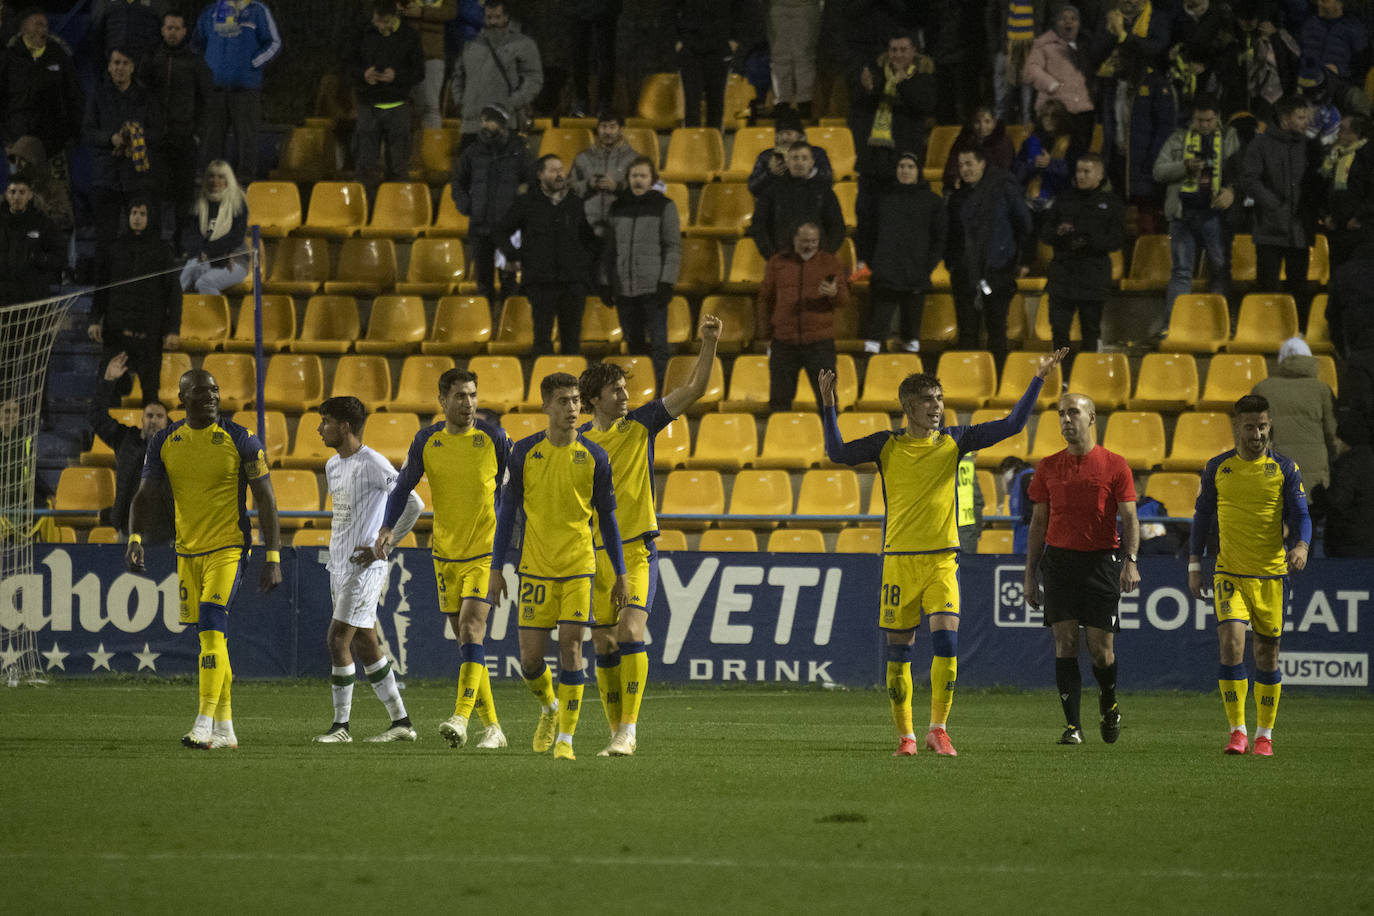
1078	422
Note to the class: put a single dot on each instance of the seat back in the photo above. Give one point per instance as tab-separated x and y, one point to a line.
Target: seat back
846	386
884	373
500	383
859	540
448	222
661	102
838	144
391	434
331	318
693	492
1199	436
515	329
702	269
565	143
462	324
1266	320
1231	376
1150	264
639	378
301	260
396	319
725	440
1014	446
725	206
367	378
1199	323
829	491
1168	381
746	267
749	384
1177	490
736	314
761	492
204	321
523	425
274	206
337	205
278	322
796	540
1137	436
728	540
969	377
1104	377
85	489
276	440
1020	367
680	370
402	208
307	155
294	381
371	261
792	440
436	261
236	374
749	142
672	445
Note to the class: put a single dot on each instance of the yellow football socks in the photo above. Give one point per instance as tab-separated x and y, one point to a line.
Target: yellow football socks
944	666
469	684
569	702
485	706
214	670
634	674
608	685
1268	686
1235	686
899	687
541	685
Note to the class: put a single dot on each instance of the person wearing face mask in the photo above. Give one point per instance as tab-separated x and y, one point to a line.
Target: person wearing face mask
492	169
500	66
910	240
799	196
123	128
554	256
221	260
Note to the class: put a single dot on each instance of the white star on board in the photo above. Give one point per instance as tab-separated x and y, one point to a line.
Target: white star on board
100	658
146	659
56	658
9	656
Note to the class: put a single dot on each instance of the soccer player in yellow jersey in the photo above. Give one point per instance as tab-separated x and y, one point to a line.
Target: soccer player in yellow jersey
919	472
465	460
560	480
1254	497
628	437
210	463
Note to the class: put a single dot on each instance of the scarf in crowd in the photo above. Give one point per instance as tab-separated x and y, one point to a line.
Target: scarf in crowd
214	229
1336	168
1140	29
138	146
1192	145
881	135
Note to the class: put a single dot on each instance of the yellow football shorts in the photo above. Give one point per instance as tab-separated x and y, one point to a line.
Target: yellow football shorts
545	603
210	578
459	580
641	580
916	584
1258	601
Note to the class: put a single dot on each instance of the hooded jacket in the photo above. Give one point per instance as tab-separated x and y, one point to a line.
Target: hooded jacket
41	97
489	175
151	305
1053	69
478	78
787	203
1273	174
992	220
910	238
31	254
1082	264
238	39
643	243
1303	413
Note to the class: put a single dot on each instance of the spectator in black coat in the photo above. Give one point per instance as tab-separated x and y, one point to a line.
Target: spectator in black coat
772	163
139	318
555	255
707	34
132	26
1350	316
130	445
1348	175
489	175
1349	500
31	248
181	83
910	240
123	127
387	63
801	196
1084	225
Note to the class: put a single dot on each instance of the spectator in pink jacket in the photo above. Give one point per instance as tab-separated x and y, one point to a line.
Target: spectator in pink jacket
1057	67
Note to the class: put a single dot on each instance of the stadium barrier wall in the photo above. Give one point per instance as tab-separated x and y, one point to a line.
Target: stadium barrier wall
722	618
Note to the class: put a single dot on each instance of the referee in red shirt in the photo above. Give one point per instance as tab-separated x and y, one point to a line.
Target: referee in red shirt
1073	551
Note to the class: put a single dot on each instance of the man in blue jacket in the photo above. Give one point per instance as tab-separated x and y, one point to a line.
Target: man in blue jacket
238	39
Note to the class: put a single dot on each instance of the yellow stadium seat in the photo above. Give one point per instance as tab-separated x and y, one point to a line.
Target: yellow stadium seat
307	449
1150	265
739	94
573	365
746	269
680	370
448	222
995	541
680	327
884	373
796	540
418	389
1319	261
759	493
462	326
1017	372
724	211
702	269
1266	321
601	331
661	105
366	268
1230	376
236	374
1048	439
1318	334
645	142
276	441
1016	321
367	378
938	321
396	325
1137	436
693	492
294	382
939	279
436	268
104	534
523	425
728	540
296	491
565	143
1017	133
677	192
174	365
855	424
308	155
725	441
639	378
432	160
1199	323
274	207
204	322
749	384
672	445
500	382
331	325
1016	446
278	324
969	377
391	434
338	209
828	491
1177	491
749	142
938	146
1326	371
87	490
793	441
859	540
987	484
847	193
1198	438
848	337
515	329
846	386
299	267
310	537
1042	335
1168	381
1243	260
1104	377
671	539
838	144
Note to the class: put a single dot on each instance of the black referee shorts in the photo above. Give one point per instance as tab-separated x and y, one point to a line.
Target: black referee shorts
1081	585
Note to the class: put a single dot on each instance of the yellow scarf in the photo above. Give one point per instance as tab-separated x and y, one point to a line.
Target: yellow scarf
1192	145
1140	29
1336	168
881	135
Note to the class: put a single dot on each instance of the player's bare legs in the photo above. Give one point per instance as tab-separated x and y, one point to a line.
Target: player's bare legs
345	641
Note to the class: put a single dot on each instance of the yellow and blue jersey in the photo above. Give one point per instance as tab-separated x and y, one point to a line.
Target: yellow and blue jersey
464	471
1250	502
920	474
209	470
558	488
629	443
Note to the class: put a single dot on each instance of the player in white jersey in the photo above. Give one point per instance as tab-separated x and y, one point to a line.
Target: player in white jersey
359	481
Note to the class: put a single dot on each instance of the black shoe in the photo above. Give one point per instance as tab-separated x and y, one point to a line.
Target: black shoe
1072	735
1111	725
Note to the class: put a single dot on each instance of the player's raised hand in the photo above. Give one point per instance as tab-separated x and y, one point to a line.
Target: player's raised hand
1049	362
270	577
710	328
496	587
133	556
826	381
1297	557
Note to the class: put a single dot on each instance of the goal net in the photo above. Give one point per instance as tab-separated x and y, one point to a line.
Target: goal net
27	333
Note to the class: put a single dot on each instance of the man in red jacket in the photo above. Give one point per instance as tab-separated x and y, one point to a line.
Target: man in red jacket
795	317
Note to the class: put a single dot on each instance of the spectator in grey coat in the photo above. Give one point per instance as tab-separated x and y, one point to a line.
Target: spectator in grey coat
641	258
499	66
492	170
1302	410
598	172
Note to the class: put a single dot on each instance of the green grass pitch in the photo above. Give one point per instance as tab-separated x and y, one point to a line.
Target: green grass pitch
740	800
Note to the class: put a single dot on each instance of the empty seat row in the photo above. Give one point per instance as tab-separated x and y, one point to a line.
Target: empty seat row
1201	323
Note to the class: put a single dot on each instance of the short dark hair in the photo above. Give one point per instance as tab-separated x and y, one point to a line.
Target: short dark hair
554	381
174	14
1289	104
607	116
642	160
800	145
543	161
158	401
1206	102
109	55
914	384
595	378
1093	157
23	177
1251	403
346	409
140	201
453	377
975	151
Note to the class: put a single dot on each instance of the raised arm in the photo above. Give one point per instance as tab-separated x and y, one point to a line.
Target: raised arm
984	434
836	449
679	399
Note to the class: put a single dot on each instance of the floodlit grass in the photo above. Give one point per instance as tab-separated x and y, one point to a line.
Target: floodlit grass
740	800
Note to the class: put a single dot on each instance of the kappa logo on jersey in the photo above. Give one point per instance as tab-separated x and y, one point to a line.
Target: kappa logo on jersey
1225	470
536	454
177	437
435	442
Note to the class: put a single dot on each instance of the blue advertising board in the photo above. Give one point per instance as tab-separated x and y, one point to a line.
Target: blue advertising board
717	618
